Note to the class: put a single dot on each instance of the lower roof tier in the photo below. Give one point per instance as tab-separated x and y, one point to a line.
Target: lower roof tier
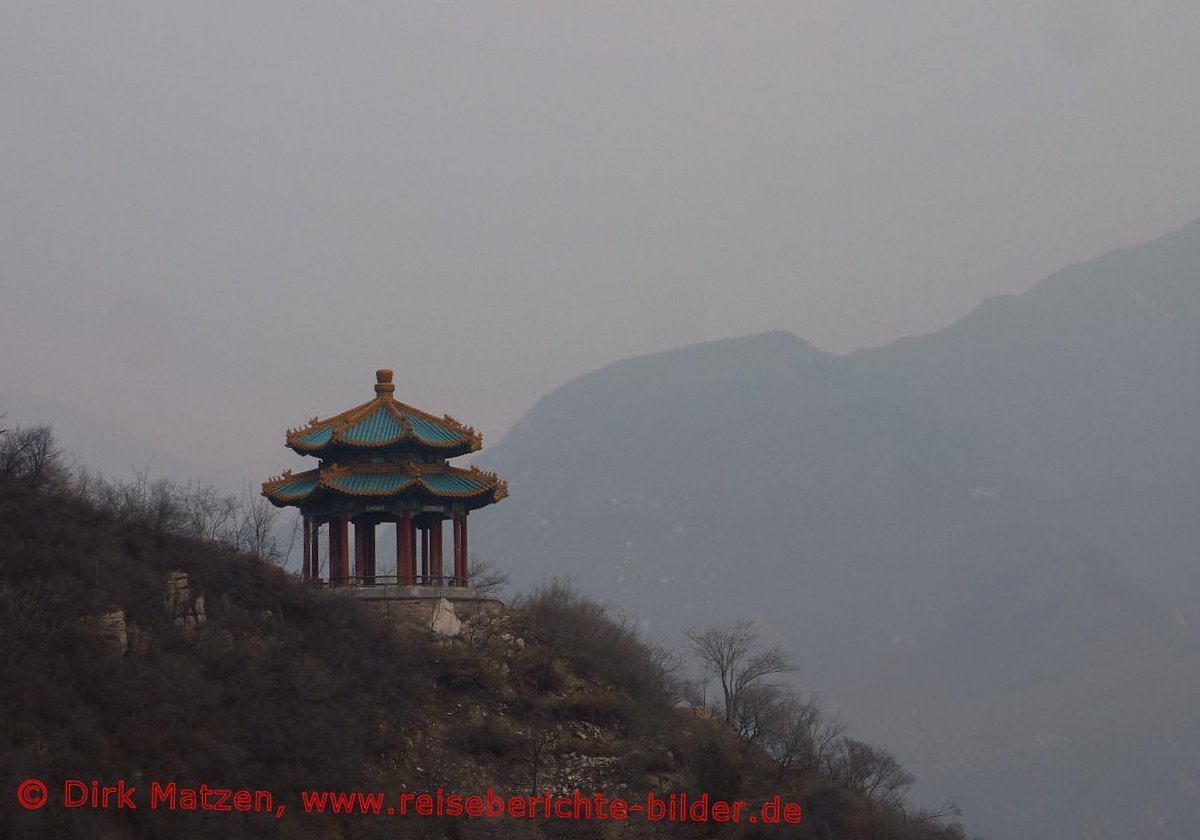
474	487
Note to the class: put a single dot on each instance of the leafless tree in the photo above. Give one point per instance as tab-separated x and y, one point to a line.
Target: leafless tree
669	665
210	515
539	737
164	509
759	714
948	810
732	655
487	578
256	527
31	454
873	771
664	663
294	527
801	735
692	690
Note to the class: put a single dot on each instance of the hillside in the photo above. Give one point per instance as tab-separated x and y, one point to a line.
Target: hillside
979	543
128	655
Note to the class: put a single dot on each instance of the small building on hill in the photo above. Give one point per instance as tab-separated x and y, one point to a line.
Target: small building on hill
387	462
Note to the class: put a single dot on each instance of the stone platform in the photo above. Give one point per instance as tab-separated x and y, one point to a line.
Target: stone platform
419	604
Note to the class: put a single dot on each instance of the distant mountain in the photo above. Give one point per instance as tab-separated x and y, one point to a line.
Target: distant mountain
982	542
1088	388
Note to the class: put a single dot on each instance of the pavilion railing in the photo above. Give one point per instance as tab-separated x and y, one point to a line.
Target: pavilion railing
392	580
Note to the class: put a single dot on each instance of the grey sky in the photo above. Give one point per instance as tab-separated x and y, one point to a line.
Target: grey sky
217	219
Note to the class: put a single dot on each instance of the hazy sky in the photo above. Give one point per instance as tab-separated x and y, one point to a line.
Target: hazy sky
217	219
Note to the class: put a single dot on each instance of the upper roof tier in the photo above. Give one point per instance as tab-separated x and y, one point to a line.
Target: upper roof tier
384	423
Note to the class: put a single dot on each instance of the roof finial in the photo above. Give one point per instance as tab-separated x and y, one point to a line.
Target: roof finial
383	382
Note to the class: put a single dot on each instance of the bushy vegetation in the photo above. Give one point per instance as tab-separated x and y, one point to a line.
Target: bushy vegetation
279	687
575	629
765	739
32	456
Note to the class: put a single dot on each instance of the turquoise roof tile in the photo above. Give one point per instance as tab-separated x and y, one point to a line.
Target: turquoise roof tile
428	432
451	483
315	438
297	488
375	483
378	427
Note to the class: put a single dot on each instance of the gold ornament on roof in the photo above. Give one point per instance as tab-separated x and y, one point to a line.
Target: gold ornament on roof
383	383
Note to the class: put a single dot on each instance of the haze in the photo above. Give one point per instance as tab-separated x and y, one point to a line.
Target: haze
220	218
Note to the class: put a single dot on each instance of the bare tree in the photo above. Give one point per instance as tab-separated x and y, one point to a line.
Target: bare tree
538	741
874	772
487	578
163	507
294	526
801	736
948	810
760	712
668	664
256	527
31	454
692	690
195	510
210	515
732	655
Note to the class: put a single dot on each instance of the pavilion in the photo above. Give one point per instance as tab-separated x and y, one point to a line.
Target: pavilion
386	462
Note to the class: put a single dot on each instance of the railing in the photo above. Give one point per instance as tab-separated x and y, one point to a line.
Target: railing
392	580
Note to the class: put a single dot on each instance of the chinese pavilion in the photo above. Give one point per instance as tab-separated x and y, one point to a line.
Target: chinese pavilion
384	461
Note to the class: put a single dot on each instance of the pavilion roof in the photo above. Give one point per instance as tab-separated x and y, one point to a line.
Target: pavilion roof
474	486
384	422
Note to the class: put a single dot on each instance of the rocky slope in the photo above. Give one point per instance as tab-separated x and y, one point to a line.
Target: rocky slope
132	659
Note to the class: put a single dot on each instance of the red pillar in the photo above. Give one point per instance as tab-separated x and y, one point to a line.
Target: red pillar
339	560
406	561
435	550
306	550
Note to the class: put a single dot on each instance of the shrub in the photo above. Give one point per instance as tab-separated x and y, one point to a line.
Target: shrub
611	651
